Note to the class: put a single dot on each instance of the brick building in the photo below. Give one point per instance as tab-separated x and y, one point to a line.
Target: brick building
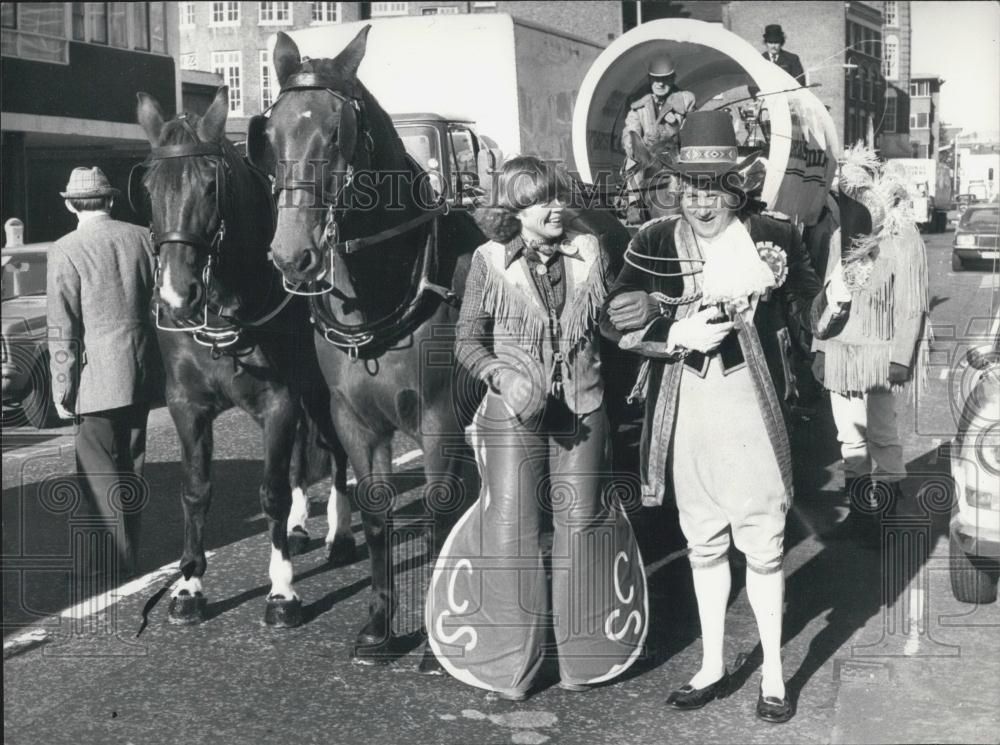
925	117
894	141
230	38
840	45
70	73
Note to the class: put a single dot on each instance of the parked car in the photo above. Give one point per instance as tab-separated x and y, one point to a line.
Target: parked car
974	537
976	237
25	354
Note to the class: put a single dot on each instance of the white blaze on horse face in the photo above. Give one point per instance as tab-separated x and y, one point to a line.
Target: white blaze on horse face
338	516
167	291
306	115
300	510
191	586
281	574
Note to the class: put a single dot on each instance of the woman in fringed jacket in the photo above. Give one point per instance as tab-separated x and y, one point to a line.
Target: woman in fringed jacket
541	439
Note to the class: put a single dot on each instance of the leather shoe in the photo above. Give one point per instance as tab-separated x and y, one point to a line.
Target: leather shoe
774	710
687	698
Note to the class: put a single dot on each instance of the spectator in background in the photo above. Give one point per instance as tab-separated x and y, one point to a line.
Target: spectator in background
774	39
103	351
656	118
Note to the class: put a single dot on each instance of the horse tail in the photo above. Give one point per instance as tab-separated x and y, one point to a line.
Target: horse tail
317	447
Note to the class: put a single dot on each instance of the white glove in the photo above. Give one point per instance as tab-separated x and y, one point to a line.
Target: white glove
836	289
698	333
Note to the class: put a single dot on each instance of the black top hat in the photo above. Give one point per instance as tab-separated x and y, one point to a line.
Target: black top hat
708	149
773	33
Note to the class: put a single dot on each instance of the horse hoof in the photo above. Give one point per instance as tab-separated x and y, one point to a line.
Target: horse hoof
281	613
429	664
342	551
298	541
374	643
186	609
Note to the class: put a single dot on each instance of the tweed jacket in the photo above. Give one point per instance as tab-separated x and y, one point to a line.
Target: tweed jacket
644	121
504	322
790	63
782	319
102	340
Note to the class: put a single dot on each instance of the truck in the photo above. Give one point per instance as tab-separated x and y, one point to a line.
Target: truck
465	91
930	186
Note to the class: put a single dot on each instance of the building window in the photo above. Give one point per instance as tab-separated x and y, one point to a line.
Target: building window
445	10
225	14
157	28
890	64
390	9
266	80
118	25
140	26
274	14
918	150
869	85
889	115
35	31
921	120
922	88
325	12
189	61
186	13
890	13
229	65
97	23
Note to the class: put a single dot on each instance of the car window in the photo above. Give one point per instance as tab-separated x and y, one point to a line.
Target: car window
23	274
981	219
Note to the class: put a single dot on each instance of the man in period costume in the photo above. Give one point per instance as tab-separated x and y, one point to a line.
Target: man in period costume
713	300
104	354
875	355
656	118
774	40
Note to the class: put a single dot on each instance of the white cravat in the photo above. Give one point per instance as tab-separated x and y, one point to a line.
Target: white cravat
733	272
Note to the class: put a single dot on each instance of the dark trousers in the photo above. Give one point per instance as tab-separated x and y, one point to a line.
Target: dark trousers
110	454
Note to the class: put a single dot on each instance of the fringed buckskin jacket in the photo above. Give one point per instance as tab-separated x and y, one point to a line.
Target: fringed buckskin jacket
505	322
783	317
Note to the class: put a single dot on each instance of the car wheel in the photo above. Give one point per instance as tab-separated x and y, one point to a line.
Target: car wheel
36	409
957	264
972	579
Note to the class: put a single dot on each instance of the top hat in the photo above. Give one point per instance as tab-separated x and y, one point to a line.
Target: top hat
661	67
708	148
88	183
774	34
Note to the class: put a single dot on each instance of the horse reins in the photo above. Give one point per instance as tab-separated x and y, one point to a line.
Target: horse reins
216	337
351	338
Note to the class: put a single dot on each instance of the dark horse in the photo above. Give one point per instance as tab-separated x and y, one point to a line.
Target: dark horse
230	337
360	229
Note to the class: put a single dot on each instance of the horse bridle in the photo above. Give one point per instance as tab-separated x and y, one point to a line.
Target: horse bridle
351	338
216	337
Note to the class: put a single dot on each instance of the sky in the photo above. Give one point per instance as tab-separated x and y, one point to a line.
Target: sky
960	41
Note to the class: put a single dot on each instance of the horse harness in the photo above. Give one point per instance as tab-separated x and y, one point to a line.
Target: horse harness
380	334
220	338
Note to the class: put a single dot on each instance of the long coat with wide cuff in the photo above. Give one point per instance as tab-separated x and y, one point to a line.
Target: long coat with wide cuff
796	307
102	341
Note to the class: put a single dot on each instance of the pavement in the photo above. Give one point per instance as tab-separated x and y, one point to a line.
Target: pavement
876	648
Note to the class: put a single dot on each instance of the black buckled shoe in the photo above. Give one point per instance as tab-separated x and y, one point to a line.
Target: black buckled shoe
774	710
687	698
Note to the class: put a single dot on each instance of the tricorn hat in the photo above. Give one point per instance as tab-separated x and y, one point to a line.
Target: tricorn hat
708	149
774	34
661	67
88	183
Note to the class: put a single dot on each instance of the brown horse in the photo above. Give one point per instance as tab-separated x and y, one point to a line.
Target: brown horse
359	230
229	338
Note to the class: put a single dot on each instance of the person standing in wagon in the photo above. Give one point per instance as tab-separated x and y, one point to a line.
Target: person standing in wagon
528	330
713	299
